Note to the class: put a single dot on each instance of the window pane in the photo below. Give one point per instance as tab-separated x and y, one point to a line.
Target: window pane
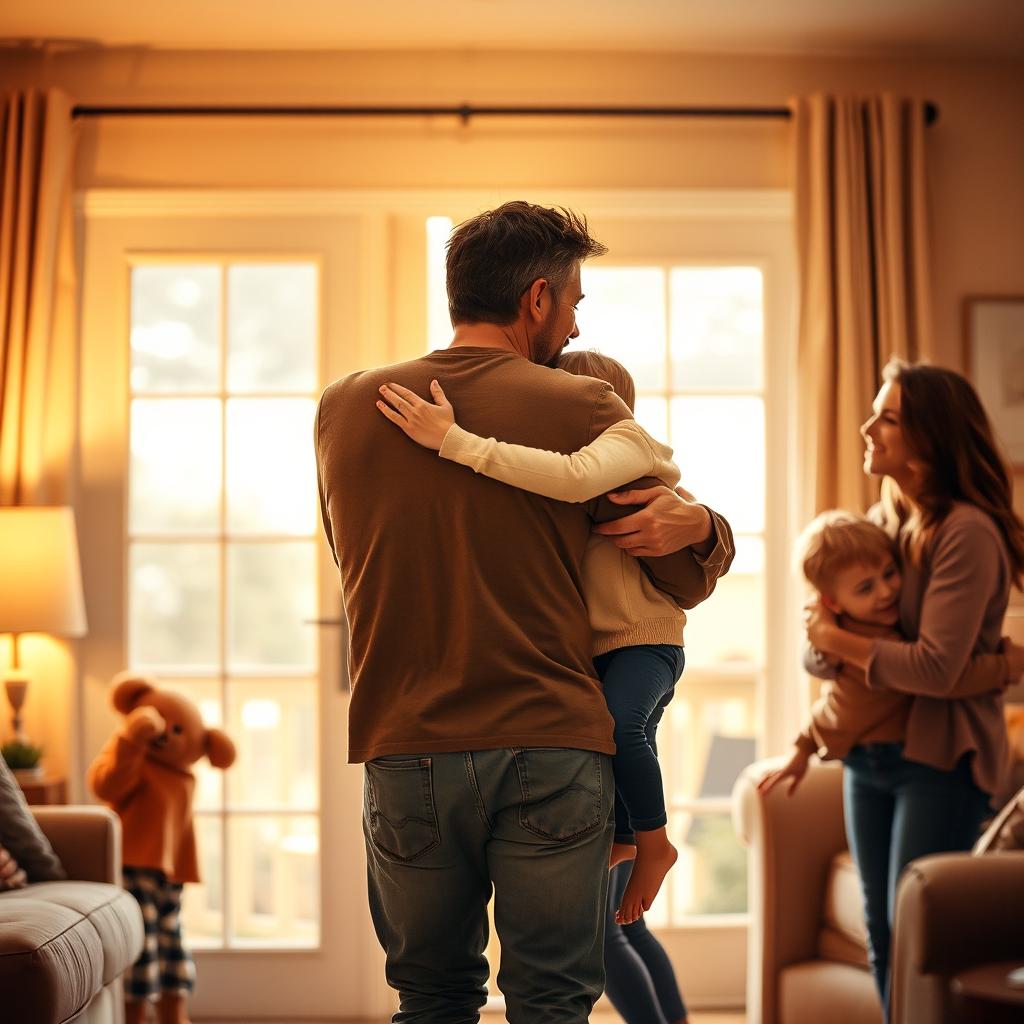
271	472
274	726
175	469
174	606
707	735
274	880
205	694
202	912
175	328
439	324
272	327
271	595
728	629
623	316
719	448
710	876
652	415
717	327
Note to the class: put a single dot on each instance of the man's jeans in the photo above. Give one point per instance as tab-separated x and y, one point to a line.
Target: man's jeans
441	830
896	811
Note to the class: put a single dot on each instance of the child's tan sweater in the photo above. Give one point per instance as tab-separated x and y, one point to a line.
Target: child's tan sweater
625	608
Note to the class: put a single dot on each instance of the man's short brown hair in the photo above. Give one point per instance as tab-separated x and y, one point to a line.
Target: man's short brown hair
836	540
493	258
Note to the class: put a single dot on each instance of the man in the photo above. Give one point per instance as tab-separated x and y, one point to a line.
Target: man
475	707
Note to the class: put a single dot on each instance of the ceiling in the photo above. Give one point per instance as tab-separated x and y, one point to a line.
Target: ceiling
862	27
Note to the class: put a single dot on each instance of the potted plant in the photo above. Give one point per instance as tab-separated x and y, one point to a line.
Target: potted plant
23	758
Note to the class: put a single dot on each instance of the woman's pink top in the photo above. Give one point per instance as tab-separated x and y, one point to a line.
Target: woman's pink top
952	606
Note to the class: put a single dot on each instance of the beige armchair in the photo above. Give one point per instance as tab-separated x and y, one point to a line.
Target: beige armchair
807	957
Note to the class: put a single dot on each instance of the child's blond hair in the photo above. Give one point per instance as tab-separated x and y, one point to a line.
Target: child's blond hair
836	540
593	364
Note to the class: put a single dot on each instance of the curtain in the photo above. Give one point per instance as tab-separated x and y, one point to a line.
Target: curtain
38	363
862	250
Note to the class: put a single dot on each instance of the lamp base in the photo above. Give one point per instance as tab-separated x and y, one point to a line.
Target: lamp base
16	685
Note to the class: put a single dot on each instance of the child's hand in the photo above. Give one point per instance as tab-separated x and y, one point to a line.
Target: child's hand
818	621
795	768
425	423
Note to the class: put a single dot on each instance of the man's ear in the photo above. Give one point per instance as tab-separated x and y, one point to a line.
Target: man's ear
538	299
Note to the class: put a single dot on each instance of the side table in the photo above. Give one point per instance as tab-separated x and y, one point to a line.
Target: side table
43	789
984	994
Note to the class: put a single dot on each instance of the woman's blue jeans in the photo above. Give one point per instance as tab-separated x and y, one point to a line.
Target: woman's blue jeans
638	684
896	811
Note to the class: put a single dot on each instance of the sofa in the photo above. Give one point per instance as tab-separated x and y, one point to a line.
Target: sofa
807	956
64	945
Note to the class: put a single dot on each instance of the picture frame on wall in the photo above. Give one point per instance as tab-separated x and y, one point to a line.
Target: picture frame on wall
994	362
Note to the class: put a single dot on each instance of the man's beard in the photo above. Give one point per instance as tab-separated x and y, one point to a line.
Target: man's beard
544	341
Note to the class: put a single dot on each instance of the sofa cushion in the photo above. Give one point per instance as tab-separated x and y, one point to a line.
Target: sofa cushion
818	990
51	959
843	935
112	911
61	943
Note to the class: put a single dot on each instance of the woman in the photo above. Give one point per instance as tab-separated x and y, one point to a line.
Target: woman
946	497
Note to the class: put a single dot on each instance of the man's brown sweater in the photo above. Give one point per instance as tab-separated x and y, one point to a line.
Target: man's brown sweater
463	595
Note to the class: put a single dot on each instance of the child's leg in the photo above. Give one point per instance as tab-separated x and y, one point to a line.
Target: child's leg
639	981
142	981
638	681
177	969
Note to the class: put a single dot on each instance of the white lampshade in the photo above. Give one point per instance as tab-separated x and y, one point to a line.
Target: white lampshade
40	578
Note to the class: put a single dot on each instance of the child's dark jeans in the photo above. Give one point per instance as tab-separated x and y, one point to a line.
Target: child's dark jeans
638	684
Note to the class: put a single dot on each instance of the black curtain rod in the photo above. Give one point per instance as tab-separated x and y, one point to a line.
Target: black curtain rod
464	112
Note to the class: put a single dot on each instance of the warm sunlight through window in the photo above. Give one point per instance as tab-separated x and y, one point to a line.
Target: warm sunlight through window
439	326
692	336
222	571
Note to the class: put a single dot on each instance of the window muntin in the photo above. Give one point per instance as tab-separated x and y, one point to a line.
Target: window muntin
222	570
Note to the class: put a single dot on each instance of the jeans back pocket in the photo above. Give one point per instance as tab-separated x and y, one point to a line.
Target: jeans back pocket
401	818
563	792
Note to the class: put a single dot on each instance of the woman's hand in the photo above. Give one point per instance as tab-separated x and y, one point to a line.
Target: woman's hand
1014	660
424	422
819	623
795	768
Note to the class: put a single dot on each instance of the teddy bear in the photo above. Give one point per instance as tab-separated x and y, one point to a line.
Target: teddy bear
143	773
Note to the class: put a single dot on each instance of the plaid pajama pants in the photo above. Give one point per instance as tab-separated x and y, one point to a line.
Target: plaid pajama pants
165	965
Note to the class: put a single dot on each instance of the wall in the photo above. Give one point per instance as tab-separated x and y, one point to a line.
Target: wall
976	148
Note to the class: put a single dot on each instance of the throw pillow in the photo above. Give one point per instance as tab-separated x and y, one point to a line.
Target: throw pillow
20	834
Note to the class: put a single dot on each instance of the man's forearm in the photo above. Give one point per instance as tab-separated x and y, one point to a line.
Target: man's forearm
689	575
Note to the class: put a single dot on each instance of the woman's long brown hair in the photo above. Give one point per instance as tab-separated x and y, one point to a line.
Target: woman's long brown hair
948	431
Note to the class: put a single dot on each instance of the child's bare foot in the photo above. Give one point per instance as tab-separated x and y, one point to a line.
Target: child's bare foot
621	852
655	856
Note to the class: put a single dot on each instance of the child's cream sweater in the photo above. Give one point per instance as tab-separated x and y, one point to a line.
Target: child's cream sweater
625	608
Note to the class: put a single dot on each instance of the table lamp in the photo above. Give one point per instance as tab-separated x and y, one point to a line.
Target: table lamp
40	587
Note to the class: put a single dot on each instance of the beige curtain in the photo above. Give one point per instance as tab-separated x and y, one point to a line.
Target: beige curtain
38	362
862	248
